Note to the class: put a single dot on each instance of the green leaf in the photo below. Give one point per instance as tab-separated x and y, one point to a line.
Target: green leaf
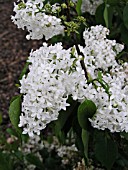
65	118
99	14
79	145
76	126
24	70
85	140
86	110
13	98
32	159
14	112
106	149
78	7
64	115
108	15
125	16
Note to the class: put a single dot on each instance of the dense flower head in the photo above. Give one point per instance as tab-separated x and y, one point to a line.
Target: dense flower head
112	111
99	52
109	91
51	79
31	15
90	5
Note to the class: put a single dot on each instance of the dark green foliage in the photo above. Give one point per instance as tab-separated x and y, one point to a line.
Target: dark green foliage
78	7
125	16
108	15
106	149
99	14
86	110
85	140
15	111
65	119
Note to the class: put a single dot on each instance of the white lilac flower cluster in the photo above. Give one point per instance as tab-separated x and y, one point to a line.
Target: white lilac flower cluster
90	5
111	96
54	75
31	15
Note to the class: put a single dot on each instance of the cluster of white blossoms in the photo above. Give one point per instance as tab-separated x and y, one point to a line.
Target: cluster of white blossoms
99	52
31	15
109	92
90	5
54	75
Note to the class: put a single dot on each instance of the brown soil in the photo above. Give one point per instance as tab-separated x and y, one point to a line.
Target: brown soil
14	50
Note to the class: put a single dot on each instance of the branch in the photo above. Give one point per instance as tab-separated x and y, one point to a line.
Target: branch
82	62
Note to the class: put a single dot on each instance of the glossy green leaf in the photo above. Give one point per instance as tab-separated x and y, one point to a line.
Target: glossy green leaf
86	110
106	150
14	112
108	15
85	140
78	7
125	16
99	15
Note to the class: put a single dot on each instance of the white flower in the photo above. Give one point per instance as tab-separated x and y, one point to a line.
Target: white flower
56	73
38	24
100	54
52	78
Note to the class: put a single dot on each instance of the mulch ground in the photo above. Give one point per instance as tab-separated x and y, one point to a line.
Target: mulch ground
14	50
